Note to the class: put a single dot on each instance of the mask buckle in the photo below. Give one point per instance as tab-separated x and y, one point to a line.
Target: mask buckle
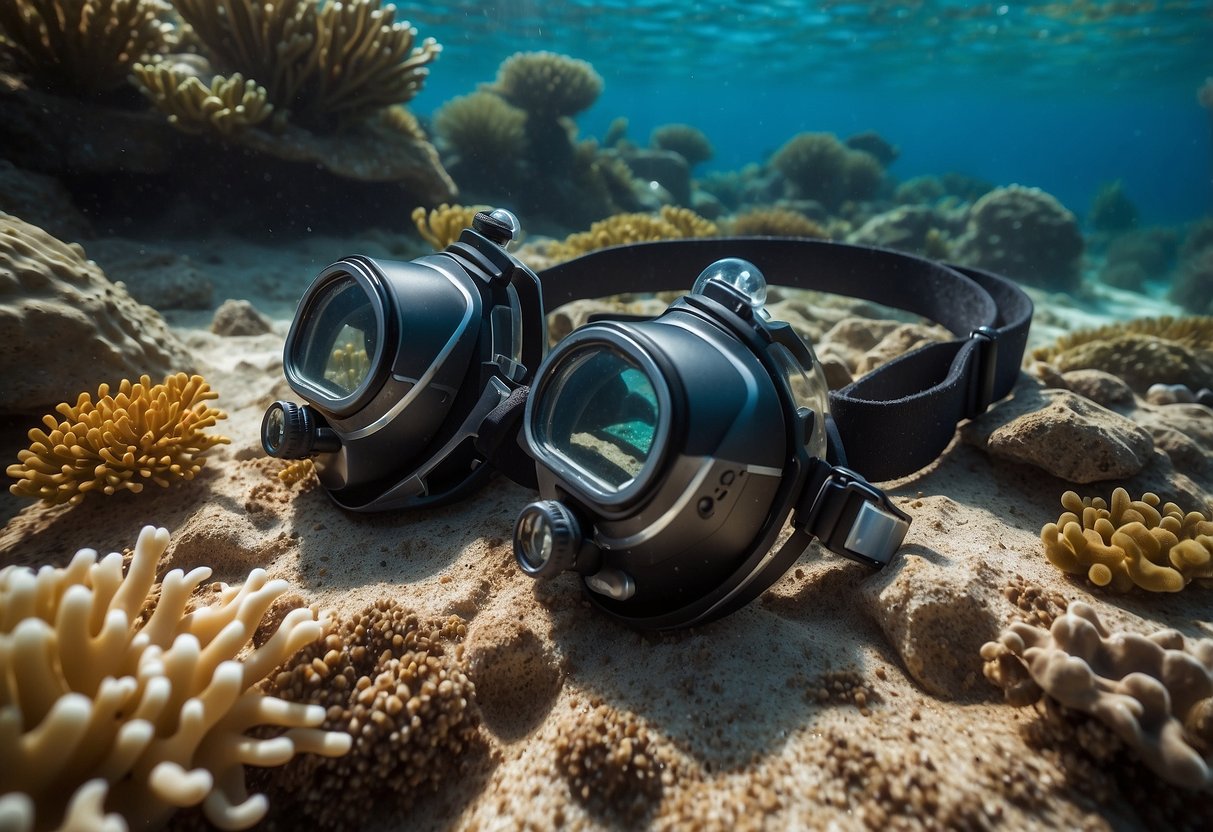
850	516
984	370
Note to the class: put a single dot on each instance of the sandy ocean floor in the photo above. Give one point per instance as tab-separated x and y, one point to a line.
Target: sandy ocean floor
842	698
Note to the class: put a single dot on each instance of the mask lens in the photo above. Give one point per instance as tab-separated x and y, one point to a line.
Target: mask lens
601	414
342	342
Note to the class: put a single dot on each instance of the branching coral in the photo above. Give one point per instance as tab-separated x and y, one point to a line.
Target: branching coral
398	686
442	225
1143	351
319	61
547	84
227	107
1155	692
687	141
81	46
146	432
674	223
109	704
1130	543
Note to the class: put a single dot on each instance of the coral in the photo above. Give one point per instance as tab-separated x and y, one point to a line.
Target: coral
616	132
1143	351
547	84
81	47
919	189
1193	286
1155	692
776	222
673	224
871	142
113	698
227	107
486	133
146	432
1198	237
863	175
688	142
398	686
610	762
321	62
1026	234
442	225
814	163
1130	543
1111	209
56	306
1151	248
299	471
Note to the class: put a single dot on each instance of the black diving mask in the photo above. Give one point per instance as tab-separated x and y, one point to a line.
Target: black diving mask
671	454
401	364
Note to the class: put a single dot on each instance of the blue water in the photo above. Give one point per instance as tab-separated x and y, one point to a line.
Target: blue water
1064	96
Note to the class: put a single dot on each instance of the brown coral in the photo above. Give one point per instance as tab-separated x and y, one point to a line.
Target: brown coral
1155	692
1143	351
81	46
776	222
815	164
112	695
547	84
610	762
398	686
146	432
227	107
484	130
1130	543
319	61
687	141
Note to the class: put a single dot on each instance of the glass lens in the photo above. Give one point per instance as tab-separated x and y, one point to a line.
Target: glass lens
600	413
341	341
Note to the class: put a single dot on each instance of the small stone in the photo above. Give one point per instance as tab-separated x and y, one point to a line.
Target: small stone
239	317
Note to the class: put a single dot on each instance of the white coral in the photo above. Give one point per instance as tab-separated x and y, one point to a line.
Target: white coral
126	722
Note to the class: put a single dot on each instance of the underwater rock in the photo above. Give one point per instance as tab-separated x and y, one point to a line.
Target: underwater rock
57	307
664	167
44	133
41	200
1026	234
1062	433
936	616
239	317
155	275
1098	386
907	228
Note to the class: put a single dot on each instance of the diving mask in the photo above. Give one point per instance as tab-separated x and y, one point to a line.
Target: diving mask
670	453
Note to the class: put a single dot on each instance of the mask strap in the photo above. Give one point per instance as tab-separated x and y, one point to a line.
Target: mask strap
498	440
901	416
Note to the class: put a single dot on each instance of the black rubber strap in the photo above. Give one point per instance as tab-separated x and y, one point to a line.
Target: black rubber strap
899	417
498	440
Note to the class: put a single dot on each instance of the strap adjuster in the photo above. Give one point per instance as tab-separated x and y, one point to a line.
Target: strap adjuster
853	518
983	371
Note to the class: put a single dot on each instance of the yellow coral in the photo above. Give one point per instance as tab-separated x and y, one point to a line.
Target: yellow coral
316	60
298	470
146	432
81	46
442	225
227	107
673	224
1144	351
105	704
1130	543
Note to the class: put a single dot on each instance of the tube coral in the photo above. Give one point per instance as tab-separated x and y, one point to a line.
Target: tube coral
113	697
227	106
146	432
81	46
319	61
